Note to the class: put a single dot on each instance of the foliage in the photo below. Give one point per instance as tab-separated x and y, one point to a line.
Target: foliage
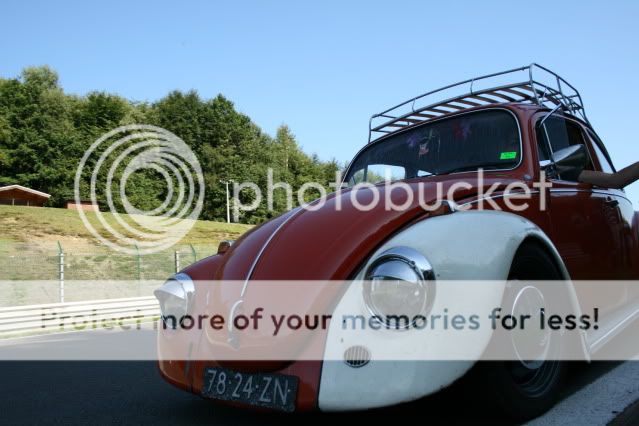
44	133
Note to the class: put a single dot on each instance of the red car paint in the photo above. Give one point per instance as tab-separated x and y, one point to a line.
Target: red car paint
342	240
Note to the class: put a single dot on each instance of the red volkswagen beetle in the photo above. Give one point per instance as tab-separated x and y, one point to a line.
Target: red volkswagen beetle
515	133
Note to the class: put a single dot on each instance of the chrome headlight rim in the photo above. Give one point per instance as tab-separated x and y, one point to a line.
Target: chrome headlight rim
178	286
419	265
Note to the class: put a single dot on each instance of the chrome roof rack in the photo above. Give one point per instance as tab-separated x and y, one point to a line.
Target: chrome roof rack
540	86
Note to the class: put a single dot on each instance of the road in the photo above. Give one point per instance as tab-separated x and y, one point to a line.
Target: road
132	392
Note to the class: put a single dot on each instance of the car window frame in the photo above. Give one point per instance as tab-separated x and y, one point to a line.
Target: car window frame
594	138
548	144
515	117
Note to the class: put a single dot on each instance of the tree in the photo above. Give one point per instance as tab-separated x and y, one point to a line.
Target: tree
44	133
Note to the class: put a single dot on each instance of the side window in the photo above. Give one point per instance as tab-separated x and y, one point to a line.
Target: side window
603	160
562	134
542	145
605	165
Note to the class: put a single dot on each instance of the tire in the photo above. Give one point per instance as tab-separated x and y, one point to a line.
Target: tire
519	391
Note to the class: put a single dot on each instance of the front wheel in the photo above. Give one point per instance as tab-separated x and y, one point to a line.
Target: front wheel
525	389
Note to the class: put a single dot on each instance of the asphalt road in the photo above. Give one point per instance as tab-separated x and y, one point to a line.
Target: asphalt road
76	392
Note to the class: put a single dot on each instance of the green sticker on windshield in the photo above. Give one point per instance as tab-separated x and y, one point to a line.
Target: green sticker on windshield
508	155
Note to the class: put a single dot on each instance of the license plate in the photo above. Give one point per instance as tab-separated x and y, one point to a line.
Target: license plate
275	391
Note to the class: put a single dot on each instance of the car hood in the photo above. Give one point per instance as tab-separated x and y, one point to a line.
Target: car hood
331	242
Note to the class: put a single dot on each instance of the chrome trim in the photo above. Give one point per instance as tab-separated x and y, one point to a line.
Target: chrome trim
357	356
418	263
232	338
577	190
516	312
493	197
294	213
556	190
539	122
608	192
180	286
552	111
187	283
446	117
615	330
596	140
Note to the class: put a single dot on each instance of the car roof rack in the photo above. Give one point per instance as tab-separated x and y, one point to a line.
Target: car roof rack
539	87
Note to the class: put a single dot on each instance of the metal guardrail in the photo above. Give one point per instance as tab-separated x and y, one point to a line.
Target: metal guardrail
76	316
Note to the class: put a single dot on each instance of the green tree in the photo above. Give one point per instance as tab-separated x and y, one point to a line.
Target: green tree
45	132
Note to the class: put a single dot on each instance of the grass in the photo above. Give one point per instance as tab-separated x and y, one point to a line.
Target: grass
29	238
41	226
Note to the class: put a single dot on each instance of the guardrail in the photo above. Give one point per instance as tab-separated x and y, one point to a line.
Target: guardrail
77	316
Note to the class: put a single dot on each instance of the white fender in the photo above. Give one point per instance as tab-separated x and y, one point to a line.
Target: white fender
465	245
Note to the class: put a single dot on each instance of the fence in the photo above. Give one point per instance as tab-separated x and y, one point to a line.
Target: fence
24	262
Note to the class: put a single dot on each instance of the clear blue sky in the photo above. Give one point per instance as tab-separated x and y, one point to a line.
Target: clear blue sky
324	67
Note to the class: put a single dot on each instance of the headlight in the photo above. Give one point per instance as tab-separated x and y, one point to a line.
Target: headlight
399	287
175	297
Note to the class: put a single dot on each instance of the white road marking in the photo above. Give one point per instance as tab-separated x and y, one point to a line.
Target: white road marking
599	402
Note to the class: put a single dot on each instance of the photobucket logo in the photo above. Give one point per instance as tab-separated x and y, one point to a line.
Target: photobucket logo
113	160
514	196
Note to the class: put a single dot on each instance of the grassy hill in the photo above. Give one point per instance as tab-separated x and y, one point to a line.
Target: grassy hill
29	238
46	226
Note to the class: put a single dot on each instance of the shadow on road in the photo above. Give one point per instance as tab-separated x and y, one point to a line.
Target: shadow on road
133	392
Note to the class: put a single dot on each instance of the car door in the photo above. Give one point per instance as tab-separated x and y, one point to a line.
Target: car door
584	219
621	215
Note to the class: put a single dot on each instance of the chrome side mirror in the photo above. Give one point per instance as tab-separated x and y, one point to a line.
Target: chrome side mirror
570	161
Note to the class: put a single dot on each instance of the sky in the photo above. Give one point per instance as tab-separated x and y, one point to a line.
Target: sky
325	67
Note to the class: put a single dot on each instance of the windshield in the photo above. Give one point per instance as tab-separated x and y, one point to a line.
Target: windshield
483	139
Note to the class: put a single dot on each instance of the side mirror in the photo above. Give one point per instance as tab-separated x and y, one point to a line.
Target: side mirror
570	161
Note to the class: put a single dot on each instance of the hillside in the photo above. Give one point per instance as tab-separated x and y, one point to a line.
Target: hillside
29	250
44	227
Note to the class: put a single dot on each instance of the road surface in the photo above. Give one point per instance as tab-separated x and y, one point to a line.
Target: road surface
128	392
